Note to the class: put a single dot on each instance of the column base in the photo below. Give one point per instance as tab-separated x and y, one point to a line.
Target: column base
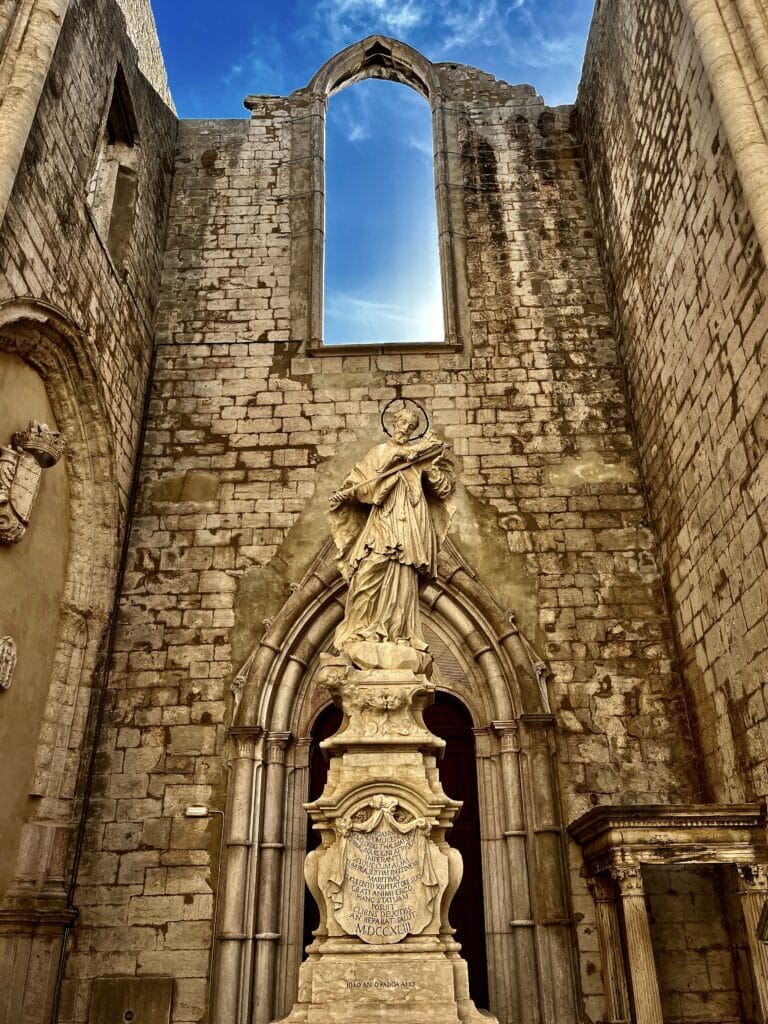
375	987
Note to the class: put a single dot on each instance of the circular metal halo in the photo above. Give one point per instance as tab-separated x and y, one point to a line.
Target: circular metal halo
409	401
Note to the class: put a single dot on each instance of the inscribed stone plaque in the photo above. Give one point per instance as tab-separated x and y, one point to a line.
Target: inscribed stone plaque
385	886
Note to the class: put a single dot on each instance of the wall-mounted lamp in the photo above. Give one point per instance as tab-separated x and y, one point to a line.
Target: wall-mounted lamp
199	811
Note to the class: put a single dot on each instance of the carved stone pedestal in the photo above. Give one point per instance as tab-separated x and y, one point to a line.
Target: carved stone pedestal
384	875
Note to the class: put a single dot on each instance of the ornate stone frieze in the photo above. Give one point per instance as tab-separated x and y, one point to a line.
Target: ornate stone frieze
7	661
676	834
21	465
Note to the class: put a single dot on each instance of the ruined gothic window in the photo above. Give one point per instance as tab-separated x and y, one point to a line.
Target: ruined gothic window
382	263
374	162
113	185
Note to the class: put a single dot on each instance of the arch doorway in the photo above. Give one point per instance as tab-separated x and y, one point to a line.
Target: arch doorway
518	933
449	719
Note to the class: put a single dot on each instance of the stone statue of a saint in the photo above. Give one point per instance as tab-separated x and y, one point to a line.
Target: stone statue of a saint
388	522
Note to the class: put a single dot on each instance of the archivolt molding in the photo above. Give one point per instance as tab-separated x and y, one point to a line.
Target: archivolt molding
269	686
45	338
376	57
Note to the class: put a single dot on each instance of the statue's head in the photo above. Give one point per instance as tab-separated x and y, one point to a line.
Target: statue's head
404	424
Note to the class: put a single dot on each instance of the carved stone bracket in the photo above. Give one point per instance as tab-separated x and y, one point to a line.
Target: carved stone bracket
21	465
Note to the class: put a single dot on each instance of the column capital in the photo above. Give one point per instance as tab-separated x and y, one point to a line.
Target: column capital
628	877
752	877
508	735
276	743
244	740
602	888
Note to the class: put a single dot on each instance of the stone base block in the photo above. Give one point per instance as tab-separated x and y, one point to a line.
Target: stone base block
374	988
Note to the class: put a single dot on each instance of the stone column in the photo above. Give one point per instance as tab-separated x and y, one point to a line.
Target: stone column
523	992
271	850
29	41
753	892
551	909
731	61
642	967
609	937
233	933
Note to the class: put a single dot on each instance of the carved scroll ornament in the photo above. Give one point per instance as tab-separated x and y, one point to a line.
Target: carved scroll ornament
21	466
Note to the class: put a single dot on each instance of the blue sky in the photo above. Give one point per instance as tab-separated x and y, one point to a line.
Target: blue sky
382	278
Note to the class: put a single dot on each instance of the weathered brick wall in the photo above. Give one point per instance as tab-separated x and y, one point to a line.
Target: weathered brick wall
688	289
142	30
49	248
246	438
227	269
695	951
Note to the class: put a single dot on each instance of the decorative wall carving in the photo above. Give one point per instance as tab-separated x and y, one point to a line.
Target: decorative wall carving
21	466
385	878
7	661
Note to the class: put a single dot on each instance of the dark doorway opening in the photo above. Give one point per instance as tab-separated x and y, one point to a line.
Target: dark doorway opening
449	719
326	724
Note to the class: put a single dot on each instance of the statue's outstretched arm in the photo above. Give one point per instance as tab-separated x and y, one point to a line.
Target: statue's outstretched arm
440	475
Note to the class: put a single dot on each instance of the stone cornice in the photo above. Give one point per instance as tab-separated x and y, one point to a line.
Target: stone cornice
672	834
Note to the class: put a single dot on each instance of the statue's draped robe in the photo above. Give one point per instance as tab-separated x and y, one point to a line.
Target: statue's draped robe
388	537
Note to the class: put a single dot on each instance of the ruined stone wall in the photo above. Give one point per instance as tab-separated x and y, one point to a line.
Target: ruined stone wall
76	332
49	249
246	438
688	289
140	22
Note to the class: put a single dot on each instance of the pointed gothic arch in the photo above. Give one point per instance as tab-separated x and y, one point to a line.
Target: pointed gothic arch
36	910
381	57
481	657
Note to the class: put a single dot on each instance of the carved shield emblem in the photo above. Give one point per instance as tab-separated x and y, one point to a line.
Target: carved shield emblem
7	661
24	488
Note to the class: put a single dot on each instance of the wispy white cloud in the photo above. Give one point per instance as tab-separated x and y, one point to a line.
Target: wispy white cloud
409	318
344	21
352	308
261	67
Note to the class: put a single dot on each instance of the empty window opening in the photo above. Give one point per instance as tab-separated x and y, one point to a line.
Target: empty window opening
382	266
113	187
